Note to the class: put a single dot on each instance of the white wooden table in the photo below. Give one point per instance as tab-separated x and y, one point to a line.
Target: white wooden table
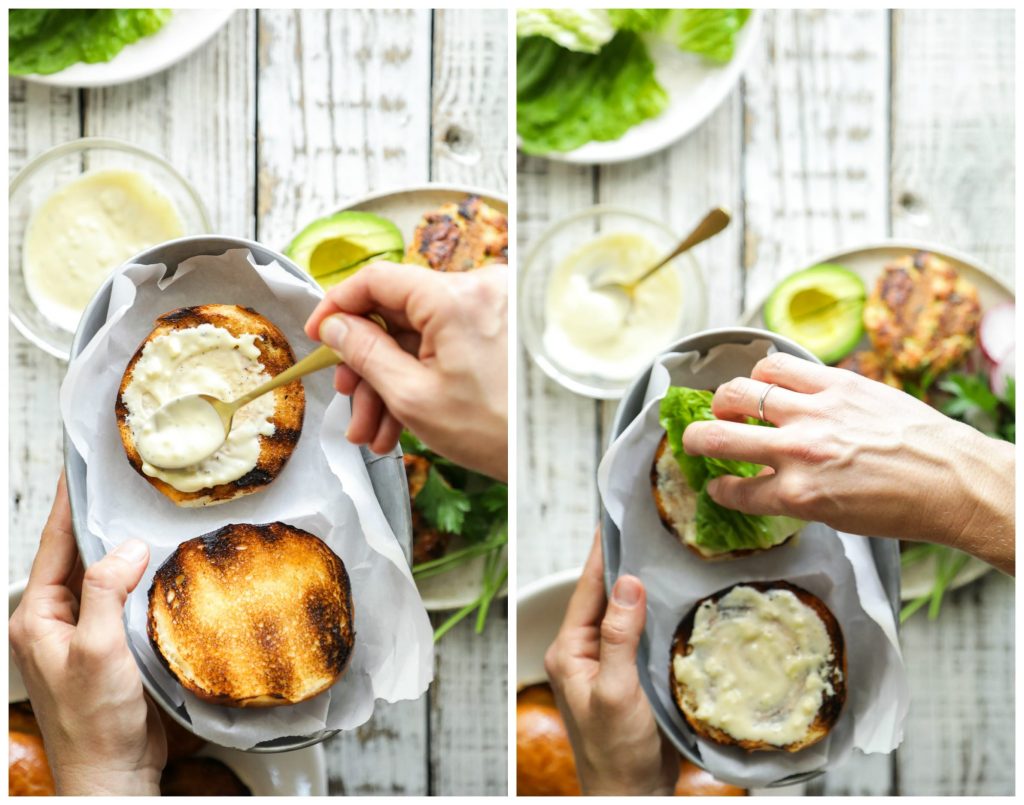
281	117
848	127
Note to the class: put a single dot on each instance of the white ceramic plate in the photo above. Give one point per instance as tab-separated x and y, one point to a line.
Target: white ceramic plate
867	262
540	607
302	773
184	32
695	88
405	207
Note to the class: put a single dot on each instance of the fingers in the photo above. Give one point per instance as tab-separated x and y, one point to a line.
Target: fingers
105	587
740	398
381	287
733	441
375	356
367	409
55	558
794	373
387	434
588	600
620	634
758	495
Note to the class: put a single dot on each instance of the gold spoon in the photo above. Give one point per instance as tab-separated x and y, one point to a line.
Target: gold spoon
213	417
712	223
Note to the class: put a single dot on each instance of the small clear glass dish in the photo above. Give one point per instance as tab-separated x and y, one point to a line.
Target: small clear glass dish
54	169
565	237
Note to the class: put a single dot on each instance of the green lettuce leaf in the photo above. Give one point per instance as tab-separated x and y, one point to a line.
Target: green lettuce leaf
566	99
708	32
582	30
44	41
719	530
637	19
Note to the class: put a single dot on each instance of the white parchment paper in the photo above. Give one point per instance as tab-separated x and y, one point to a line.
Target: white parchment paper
838	568
324	489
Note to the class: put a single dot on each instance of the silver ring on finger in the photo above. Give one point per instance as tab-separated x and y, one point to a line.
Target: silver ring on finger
760	402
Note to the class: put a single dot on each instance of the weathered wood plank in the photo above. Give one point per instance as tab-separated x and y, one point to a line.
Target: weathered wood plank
344	109
469	123
40	118
469	145
200	115
815	178
952	183
557	450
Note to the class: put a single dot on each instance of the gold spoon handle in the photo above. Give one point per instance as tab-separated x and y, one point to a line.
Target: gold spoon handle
713	223
319	358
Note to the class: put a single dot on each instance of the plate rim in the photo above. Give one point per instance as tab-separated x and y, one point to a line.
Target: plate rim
158	65
975	569
733	70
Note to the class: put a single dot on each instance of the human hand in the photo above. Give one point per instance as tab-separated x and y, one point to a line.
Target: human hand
442	368
861	457
102	735
592	668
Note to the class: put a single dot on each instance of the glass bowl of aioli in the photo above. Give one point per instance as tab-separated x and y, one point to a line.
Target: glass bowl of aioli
591	342
77	212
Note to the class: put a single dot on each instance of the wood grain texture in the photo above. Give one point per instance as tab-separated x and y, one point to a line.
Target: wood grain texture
344	109
469	145
953	174
40	118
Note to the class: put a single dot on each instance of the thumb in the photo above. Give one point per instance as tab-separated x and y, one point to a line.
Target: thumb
620	633
105	587
372	354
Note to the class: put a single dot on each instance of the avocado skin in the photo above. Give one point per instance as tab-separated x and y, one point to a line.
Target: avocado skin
336	246
830	279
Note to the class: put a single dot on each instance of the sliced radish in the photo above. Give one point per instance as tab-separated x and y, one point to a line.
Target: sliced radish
1000	372
996	332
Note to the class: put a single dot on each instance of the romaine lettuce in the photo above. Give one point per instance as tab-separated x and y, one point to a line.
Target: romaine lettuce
637	19
566	99
585	31
708	32
719	530
45	41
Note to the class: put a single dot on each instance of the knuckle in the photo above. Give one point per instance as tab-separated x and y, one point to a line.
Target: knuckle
101	576
613	632
773	364
732	394
797	493
553	661
359	351
714	438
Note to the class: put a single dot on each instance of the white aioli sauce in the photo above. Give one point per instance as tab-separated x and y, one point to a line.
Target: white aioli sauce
85	230
180	433
598	332
202	360
759	665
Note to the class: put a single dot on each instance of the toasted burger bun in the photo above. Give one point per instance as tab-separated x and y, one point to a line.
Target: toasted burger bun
544	761
834	671
677	505
253	615
28	771
289	401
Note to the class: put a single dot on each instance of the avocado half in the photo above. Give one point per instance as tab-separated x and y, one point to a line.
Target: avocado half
335	247
821	308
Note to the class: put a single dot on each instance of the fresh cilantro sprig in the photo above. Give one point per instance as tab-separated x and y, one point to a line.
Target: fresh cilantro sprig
971	400
462	502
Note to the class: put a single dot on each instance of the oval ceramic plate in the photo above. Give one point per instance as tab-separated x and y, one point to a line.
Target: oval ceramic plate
184	32
404	208
540	606
867	262
302	773
695	88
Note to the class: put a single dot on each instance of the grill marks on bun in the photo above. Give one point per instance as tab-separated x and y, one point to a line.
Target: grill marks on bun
253	615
